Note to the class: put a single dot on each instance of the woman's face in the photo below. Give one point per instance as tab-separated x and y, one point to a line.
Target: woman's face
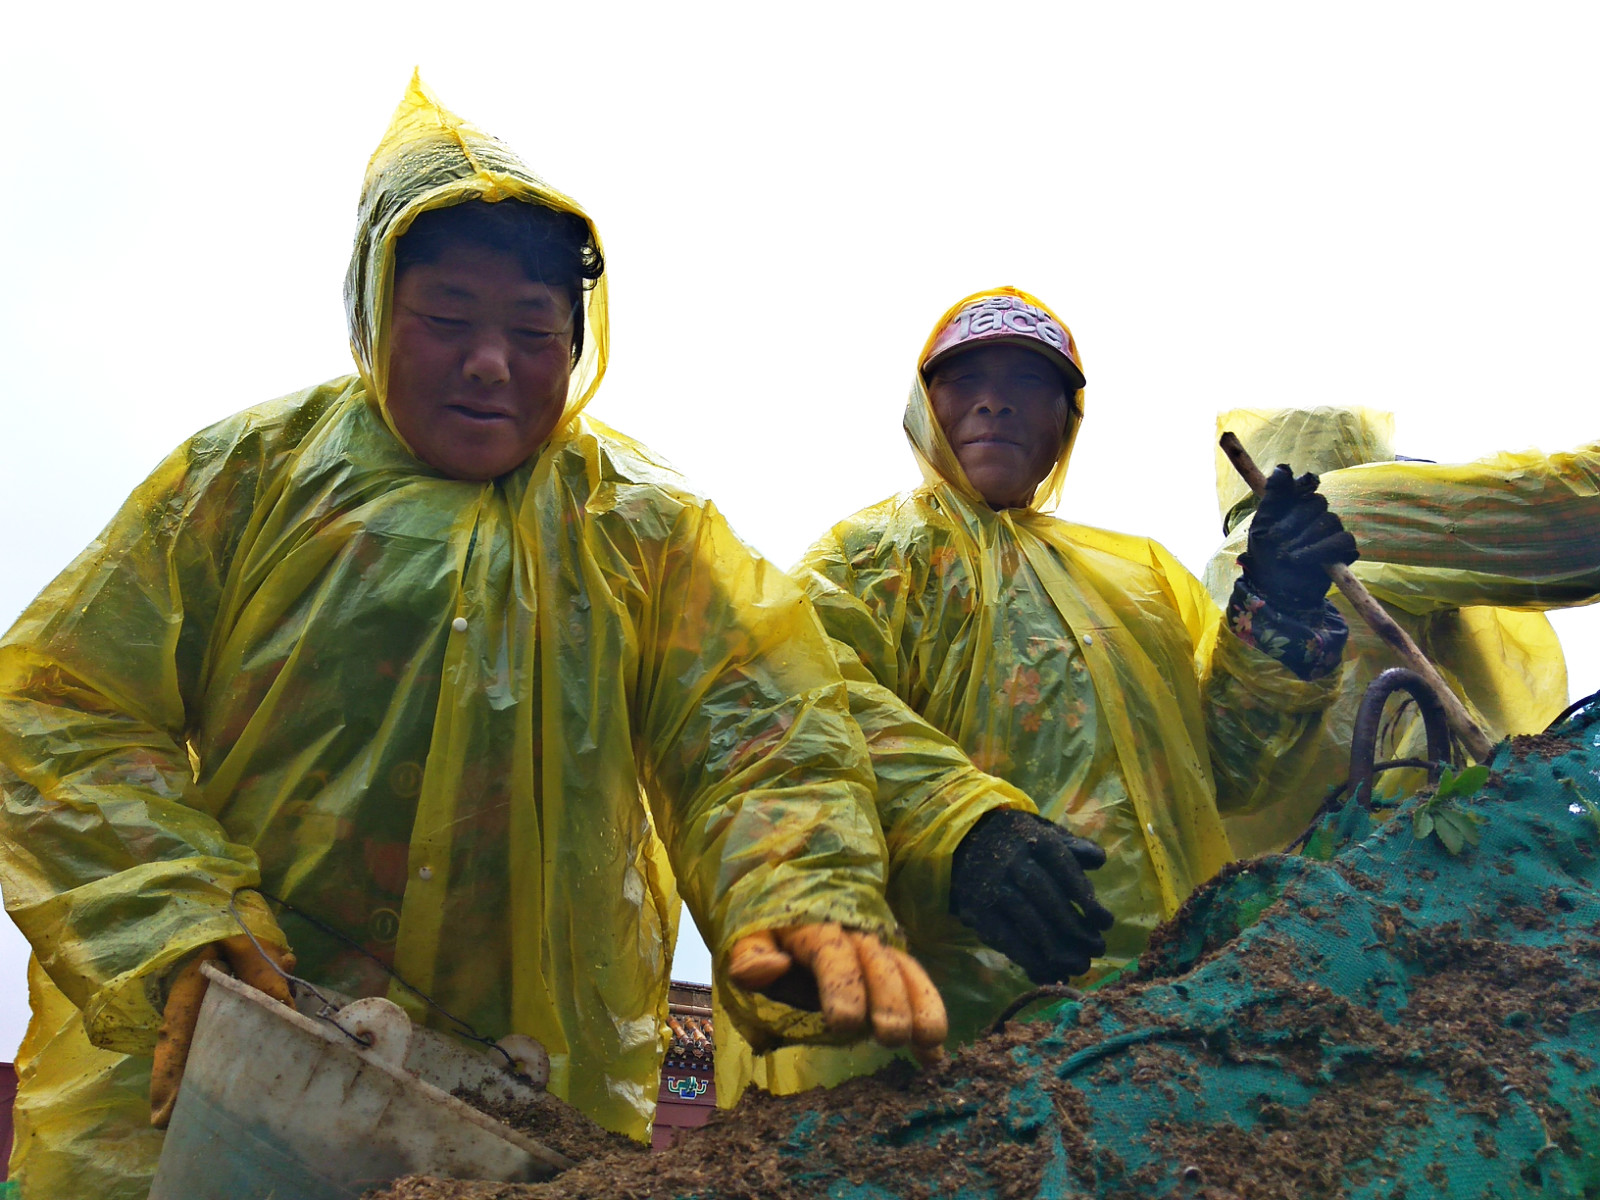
479	360
1004	412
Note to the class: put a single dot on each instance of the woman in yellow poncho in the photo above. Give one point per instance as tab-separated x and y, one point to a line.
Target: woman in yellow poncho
338	650
1467	557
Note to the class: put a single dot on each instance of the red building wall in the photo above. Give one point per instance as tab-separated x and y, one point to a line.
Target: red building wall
687	1100
8	1093
688	1094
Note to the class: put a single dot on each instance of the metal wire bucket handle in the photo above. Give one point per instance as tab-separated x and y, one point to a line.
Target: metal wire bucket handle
1364	741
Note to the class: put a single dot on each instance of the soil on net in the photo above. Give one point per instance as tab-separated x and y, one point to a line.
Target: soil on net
1477	1007
1542	745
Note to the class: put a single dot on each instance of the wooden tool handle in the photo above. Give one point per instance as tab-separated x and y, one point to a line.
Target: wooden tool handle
1462	725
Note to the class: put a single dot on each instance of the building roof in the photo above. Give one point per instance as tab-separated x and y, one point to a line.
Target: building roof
689	1020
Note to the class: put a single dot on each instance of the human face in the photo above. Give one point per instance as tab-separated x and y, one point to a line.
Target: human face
479	359
1004	412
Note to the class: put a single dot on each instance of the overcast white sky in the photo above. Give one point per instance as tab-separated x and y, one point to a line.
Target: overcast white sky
1243	204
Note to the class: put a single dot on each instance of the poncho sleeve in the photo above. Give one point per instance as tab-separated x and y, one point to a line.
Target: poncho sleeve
1512	530
929	794
758	779
108	868
1258	714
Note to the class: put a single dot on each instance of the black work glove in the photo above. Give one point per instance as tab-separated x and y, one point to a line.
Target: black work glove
1293	539
1019	882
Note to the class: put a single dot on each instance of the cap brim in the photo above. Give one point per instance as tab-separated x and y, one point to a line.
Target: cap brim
1069	369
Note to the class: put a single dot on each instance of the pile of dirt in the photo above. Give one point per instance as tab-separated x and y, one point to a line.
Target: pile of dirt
553	1123
1475	1011
1470	1024
1399	1021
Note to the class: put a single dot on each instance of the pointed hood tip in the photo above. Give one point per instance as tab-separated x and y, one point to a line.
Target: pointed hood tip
420	105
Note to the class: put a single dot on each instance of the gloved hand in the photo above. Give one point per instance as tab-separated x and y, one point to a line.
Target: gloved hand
1018	881
1293	539
851	977
184	998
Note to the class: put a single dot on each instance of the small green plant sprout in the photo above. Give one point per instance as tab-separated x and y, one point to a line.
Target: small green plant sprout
1439	814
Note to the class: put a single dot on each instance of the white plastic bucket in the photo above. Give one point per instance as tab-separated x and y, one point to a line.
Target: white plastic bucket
276	1105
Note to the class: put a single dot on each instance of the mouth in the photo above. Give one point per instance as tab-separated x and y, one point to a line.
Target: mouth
482	416
989	441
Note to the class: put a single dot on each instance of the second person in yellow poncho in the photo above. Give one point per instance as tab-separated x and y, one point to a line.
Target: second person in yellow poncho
1085	668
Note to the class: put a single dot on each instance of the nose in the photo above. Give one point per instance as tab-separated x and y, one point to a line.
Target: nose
488	362
992	403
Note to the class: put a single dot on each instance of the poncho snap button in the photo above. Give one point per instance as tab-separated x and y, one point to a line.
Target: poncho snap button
424	872
459	624
1088	639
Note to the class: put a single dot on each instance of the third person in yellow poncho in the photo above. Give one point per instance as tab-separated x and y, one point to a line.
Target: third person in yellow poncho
1467	557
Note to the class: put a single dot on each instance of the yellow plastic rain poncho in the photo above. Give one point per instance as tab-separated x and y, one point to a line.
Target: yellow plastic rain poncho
1465	557
1086	668
423	711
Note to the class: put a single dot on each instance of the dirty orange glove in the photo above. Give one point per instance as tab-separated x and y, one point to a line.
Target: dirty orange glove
857	978
182	1013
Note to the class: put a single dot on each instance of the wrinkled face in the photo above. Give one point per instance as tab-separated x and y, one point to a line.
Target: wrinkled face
479	358
1004	412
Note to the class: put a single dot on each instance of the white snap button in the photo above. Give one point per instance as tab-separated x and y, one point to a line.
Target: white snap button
424	872
459	624
1088	639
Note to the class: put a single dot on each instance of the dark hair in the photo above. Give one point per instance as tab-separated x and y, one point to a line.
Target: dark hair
554	248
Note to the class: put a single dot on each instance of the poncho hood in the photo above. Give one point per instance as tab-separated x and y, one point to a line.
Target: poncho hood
431	158
934	455
1308	439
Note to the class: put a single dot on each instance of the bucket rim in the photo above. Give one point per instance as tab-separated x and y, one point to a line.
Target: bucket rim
534	1148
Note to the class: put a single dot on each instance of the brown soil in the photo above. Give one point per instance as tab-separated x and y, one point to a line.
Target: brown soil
554	1123
1475	1010
1545	745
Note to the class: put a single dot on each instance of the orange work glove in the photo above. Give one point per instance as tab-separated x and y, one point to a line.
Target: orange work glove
182	1012
858	979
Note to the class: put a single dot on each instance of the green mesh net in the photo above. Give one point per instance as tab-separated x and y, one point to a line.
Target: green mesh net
1399	1020
1396	1021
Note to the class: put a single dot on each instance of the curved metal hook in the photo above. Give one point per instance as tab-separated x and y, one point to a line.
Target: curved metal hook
1364	742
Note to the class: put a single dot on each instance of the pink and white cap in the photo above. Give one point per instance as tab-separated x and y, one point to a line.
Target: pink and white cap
1008	320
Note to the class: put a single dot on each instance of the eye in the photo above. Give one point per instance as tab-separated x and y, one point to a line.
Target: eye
539	336
444	324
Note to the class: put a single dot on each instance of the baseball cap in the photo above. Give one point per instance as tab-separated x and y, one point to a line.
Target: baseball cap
1008	320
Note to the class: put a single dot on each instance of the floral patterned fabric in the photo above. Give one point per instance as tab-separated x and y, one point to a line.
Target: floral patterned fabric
1309	644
